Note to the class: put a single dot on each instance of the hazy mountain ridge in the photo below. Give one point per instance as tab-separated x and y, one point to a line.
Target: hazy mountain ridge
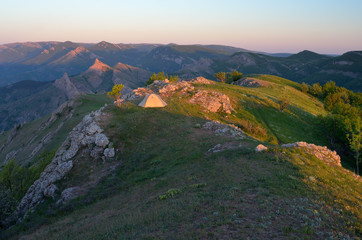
46	61
28	100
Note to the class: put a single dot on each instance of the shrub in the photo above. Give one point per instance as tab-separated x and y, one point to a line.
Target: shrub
170	193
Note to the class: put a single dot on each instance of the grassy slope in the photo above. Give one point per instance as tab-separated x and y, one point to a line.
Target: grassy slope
281	194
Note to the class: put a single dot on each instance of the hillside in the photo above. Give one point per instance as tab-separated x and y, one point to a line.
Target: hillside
176	174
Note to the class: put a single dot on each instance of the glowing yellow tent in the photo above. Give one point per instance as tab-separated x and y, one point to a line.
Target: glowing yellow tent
152	100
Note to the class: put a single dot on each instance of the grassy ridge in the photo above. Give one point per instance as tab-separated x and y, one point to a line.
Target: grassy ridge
169	187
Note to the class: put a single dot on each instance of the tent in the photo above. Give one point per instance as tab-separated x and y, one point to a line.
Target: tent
152	100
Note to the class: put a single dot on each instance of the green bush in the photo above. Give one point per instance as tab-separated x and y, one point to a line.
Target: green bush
15	180
170	193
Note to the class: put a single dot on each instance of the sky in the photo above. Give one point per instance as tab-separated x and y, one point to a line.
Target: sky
323	26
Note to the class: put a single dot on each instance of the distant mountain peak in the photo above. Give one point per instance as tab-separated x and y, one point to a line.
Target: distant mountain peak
122	66
99	66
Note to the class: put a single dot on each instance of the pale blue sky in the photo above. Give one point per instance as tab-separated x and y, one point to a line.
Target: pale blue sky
333	26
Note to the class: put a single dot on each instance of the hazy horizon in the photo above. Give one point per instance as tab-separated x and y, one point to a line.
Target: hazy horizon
281	26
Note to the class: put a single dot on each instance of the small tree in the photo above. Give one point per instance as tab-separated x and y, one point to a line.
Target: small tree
304	87
233	76
116	93
173	78
159	76
221	76
354	136
316	90
283	102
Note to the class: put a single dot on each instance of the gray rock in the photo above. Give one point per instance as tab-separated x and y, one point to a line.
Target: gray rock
96	152
50	190
101	140
72	151
109	152
69	194
93	128
86	134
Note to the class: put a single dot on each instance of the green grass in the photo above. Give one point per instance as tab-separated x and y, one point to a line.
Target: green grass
167	186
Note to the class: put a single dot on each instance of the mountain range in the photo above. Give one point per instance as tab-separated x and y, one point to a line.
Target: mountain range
28	100
47	61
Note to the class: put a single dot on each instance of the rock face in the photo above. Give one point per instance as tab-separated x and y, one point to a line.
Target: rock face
66	86
182	87
212	101
86	134
322	153
260	148
224	129
250	82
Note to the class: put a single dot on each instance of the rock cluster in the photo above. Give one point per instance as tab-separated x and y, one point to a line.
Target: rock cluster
212	101
202	80
249	82
86	134
182	87
166	88
224	129
322	153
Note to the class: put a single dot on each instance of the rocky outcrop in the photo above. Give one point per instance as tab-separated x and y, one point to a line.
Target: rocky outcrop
166	88
65	85
212	101
182	87
260	148
202	80
322	153
250	82
224	129
86	134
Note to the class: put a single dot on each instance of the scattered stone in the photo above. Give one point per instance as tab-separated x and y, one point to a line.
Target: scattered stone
197	125
311	178
260	148
224	129
226	146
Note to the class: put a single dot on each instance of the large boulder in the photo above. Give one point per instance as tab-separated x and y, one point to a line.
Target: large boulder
260	148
